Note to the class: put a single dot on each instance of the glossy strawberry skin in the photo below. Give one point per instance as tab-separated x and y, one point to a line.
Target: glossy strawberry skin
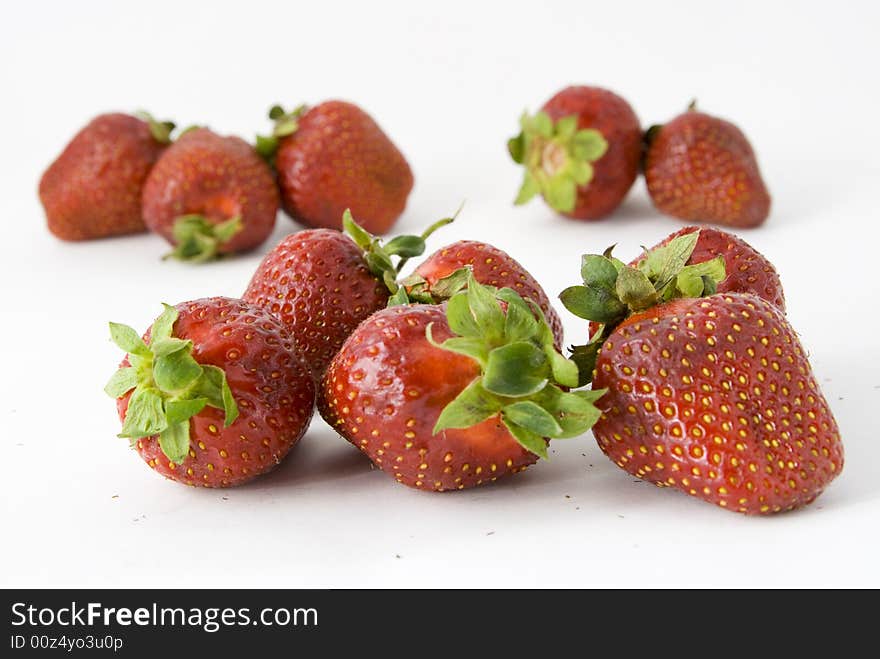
715	397
93	189
748	271
217	177
271	386
318	284
340	158
493	267
384	392
615	172
700	168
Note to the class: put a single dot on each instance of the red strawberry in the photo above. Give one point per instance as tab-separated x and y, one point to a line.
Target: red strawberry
748	271
210	195
702	169
333	156
214	394
581	152
322	283
713	395
93	189
491	266
453	396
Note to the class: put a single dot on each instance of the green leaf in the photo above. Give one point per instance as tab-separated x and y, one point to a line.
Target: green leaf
566	127
355	231
406	246
286	127
210	386
266	147
123	381
399	298
516	369
378	262
213	386
690	281
445	287
486	310
472	406
198	239
529	188
472	347
584	357
531	416
177	411
163	325
174	442
588	145
527	439
634	289
580	172
164	347
145	415
599	271
127	339
575	414
461	319
590	395
516	147
561	193
519	321
176	371
597	304
565	371
225	230
664	263
229	405
542	125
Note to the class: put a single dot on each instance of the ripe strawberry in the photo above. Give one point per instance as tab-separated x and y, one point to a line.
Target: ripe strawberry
581	152
93	189
210	195
322	283
451	396
712	395
702	169
331	157
490	265
214	394
748	271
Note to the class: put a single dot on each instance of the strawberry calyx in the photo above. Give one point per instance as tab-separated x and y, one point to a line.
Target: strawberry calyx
612	291
160	130
167	386
557	158
380	256
523	378
198	240
285	124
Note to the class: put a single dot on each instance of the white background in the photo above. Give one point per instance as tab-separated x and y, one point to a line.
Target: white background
448	82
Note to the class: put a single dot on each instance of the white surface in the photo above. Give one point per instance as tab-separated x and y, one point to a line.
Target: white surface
448	83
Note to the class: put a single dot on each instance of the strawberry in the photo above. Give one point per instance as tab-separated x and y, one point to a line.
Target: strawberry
322	283
331	157
490	266
93	189
581	152
748	271
707	392
214	394
452	396
702	169
210	195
